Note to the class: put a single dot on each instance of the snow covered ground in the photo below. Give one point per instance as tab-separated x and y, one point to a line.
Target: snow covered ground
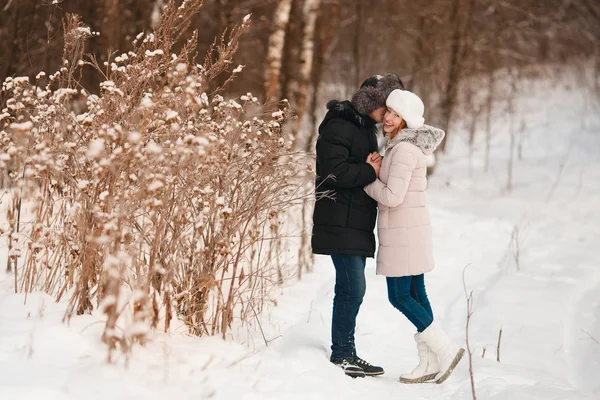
546	300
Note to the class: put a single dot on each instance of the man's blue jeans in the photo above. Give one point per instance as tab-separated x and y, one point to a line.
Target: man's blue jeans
407	294
350	287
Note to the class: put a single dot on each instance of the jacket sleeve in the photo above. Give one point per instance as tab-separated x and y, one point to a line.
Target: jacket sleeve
333	151
392	194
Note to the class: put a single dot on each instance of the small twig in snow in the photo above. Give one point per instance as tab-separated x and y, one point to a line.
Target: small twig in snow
498	348
469	297
259	325
208	362
591	337
309	312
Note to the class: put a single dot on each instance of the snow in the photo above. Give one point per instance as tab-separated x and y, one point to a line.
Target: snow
22	127
152	147
21	80
83	184
135	137
96	148
157	52
155	185
546	299
84	30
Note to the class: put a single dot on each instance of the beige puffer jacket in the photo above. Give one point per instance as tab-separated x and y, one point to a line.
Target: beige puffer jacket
403	224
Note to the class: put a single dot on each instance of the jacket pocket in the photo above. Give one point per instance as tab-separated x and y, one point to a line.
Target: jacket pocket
362	217
329	213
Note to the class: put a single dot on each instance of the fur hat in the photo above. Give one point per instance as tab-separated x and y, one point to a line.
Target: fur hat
374	91
408	105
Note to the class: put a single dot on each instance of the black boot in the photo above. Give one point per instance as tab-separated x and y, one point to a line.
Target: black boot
369	370
350	367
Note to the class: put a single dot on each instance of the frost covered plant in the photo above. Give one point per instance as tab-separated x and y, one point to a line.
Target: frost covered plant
156	198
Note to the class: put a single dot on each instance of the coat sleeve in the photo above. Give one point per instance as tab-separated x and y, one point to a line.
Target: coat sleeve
392	193
333	151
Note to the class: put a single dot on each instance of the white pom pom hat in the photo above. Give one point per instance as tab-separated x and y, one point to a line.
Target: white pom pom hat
409	106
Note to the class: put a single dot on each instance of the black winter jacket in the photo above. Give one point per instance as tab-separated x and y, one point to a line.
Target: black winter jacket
344	215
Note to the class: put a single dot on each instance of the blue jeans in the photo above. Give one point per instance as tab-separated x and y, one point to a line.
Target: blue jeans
407	294
350	287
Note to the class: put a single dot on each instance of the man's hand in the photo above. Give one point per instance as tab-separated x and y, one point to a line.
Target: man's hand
374	159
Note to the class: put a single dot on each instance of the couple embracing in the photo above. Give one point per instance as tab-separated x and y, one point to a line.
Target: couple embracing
360	181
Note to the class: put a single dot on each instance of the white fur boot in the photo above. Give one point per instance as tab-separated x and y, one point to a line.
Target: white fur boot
449	354
428	366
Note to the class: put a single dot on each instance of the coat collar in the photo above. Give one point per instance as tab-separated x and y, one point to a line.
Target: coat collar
427	138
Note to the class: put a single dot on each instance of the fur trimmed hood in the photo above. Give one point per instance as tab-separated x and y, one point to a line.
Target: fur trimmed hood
427	138
347	111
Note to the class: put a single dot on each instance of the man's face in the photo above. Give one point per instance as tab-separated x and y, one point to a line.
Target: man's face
378	114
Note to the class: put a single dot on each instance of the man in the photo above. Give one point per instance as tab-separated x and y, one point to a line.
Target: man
344	215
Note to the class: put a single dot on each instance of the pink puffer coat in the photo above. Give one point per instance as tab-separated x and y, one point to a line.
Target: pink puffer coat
403	224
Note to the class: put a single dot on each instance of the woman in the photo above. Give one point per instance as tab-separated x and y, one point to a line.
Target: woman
404	230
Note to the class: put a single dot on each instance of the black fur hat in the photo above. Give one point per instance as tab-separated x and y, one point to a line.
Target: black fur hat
374	92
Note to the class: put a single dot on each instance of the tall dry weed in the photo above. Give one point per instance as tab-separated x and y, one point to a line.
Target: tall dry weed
155	198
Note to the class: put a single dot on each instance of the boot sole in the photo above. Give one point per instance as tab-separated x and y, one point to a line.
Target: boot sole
354	375
374	373
446	374
421	379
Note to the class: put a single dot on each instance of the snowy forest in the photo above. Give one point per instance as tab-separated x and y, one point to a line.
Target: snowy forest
157	186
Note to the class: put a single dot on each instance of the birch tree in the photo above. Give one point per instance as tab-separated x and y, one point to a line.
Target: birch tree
327	40
156	11
310	12
275	47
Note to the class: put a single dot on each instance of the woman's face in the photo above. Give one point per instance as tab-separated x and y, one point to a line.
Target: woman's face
392	122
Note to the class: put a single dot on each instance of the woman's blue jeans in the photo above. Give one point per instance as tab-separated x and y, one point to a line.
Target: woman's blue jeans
407	294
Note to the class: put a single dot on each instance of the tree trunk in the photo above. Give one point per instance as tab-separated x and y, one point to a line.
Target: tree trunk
325	46
419	55
275	48
310	12
112	26
356	44
457	55
156	13
513	133
9	33
16	27
488	117
288	80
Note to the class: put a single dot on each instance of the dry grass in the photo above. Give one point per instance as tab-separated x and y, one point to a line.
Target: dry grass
156	198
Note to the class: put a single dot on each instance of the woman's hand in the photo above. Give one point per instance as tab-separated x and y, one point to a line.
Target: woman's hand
374	159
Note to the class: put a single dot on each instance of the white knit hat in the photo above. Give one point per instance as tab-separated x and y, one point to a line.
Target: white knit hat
408	105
